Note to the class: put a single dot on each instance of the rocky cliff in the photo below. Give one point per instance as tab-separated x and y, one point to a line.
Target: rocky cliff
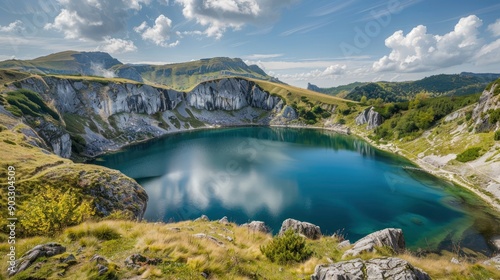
101	115
371	117
488	102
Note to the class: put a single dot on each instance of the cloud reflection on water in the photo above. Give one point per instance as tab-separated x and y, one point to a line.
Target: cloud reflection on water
200	178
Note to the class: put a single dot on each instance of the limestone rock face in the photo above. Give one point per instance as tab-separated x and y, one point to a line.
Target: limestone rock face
56	137
257	226
487	101
44	250
230	95
371	117
105	115
309	230
374	269
390	237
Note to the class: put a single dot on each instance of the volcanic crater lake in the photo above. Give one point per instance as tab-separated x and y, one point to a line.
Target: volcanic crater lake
335	181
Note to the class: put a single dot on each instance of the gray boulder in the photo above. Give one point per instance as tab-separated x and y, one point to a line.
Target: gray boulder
374	269
45	250
495	261
390	237
257	226
371	117
308	230
224	221
138	260
202	218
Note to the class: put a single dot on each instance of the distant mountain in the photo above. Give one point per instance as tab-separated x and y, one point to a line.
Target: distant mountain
68	63
179	76
438	85
185	75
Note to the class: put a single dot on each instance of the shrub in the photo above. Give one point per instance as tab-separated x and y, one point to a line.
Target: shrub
49	211
497	135
469	154
494	116
326	114
342	121
317	109
288	248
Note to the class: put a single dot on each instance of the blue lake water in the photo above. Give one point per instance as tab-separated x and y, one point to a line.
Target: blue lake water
338	182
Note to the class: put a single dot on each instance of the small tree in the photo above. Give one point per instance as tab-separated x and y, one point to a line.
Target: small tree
363	100
497	135
52	210
290	247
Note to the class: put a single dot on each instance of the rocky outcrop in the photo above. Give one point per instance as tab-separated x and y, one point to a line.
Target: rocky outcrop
229	95
380	268
488	101
306	229
45	250
370	117
257	226
389	237
56	137
113	191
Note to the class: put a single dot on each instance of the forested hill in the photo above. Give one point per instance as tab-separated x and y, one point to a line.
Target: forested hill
437	85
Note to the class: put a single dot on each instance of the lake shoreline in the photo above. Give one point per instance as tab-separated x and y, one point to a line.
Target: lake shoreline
342	129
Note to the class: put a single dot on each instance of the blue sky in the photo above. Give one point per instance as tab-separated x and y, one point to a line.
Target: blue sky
327	43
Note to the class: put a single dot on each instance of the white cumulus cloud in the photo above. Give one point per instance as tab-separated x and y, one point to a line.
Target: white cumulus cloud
495	28
219	15
16	26
159	33
420	51
93	19
488	54
116	45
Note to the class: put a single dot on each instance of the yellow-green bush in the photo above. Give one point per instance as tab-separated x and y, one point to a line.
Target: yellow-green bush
51	210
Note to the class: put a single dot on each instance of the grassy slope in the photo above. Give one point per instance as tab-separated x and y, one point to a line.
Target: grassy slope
185	257
37	168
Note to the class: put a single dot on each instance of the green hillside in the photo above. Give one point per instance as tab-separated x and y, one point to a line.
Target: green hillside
182	76
437	85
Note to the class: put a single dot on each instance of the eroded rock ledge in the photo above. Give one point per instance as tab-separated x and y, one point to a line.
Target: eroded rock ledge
374	269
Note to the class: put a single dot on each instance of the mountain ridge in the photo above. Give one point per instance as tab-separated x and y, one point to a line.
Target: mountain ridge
180	76
436	85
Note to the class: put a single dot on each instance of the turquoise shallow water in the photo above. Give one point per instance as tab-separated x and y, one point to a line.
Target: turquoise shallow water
335	181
